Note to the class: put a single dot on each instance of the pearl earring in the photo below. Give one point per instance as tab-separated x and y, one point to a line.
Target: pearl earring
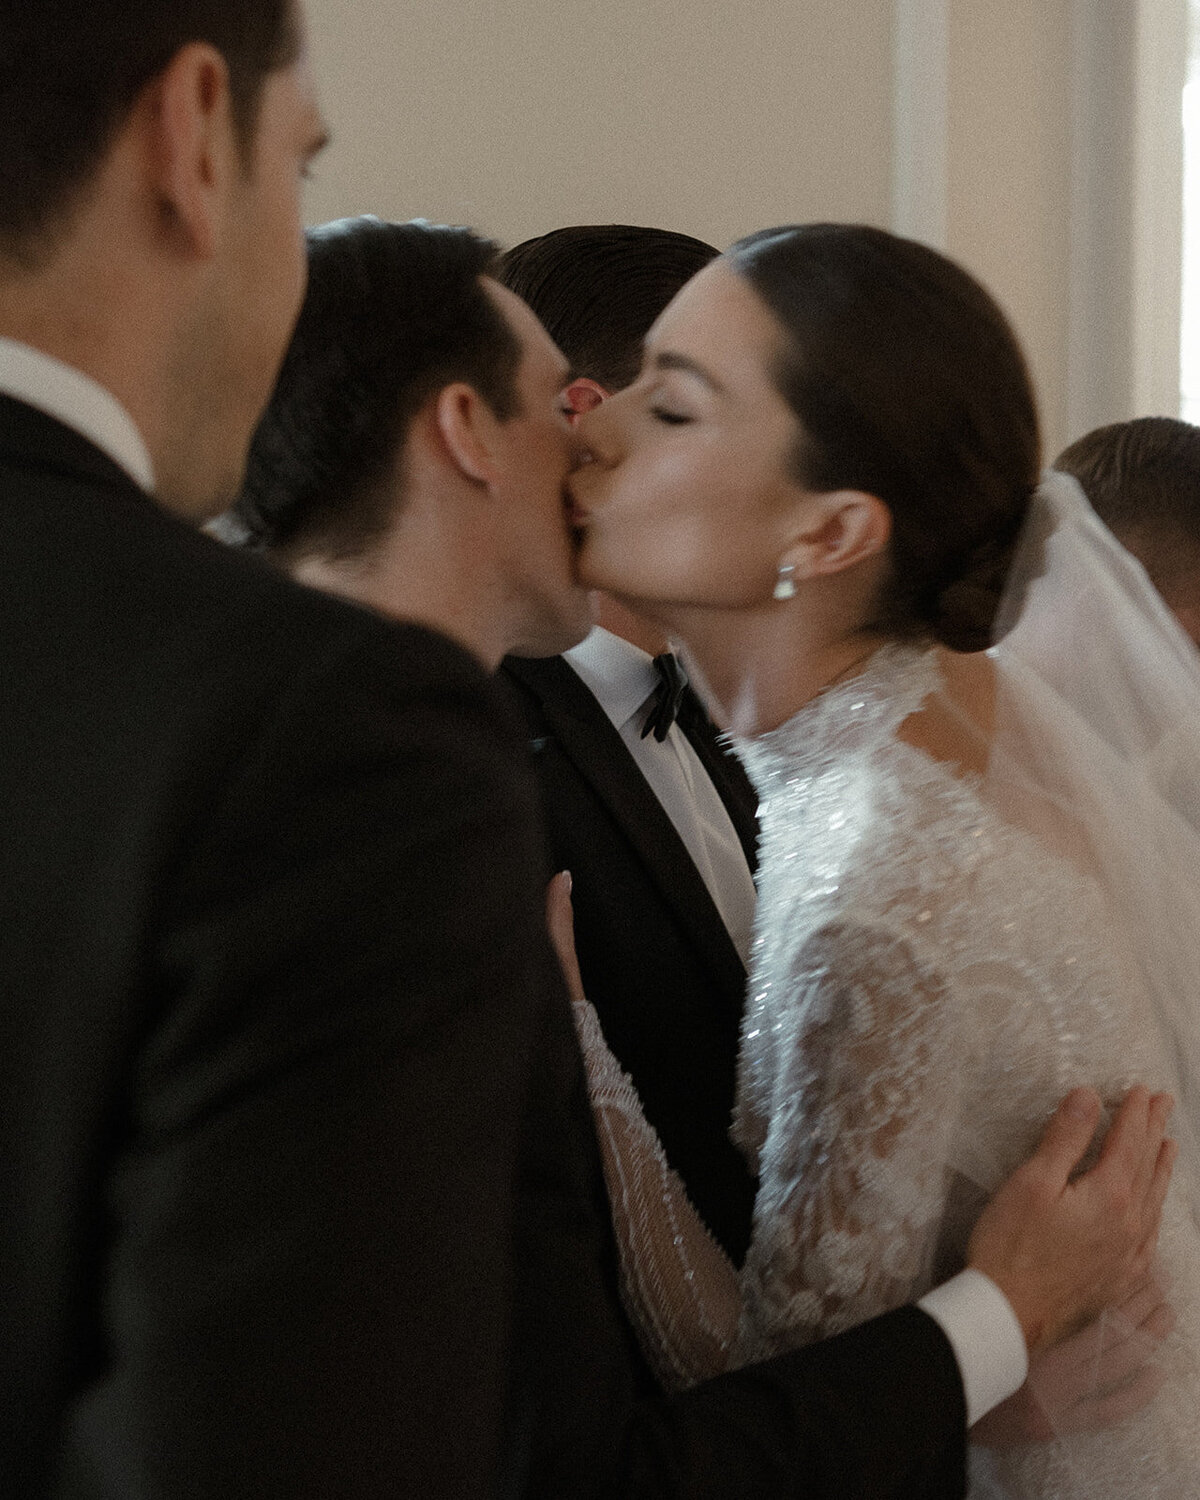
785	582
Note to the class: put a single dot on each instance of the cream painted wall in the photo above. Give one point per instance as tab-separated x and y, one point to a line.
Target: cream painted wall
1061	166
1037	141
518	116
1009	175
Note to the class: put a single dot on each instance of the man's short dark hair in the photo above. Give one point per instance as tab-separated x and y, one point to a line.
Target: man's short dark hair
598	288
1143	480
71	70
393	312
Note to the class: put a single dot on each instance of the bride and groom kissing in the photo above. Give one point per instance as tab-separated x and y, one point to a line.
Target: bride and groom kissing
306	502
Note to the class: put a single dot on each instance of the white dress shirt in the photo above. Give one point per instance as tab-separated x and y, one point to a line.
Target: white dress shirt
79	402
621	677
983	1331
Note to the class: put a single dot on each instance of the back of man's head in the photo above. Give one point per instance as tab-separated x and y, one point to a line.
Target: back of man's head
1143	480
71	71
392	313
598	288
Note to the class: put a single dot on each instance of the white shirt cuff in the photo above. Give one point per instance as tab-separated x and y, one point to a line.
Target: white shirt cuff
988	1344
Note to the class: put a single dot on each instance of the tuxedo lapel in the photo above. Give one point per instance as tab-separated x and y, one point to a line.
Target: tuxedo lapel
578	728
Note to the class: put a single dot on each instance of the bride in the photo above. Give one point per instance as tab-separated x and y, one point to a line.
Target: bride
977	890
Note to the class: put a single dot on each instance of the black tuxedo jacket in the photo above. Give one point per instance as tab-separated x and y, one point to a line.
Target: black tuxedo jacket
292	1121
656	959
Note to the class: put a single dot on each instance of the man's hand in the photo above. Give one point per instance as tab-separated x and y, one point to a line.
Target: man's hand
1060	1250
1093	1379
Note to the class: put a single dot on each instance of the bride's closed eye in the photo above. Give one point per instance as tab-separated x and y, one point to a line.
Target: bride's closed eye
671	418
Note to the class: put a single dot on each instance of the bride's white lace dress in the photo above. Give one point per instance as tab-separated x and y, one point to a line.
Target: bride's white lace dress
927	981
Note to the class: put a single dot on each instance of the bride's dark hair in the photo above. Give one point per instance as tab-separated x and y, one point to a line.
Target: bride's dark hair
908	384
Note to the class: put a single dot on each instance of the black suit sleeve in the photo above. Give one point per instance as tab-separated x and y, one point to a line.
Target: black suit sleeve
877	1412
308	1286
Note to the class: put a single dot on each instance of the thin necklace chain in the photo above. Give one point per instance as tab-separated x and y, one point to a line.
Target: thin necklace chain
847	670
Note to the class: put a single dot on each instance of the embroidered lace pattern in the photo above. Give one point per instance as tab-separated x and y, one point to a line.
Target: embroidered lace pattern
927	981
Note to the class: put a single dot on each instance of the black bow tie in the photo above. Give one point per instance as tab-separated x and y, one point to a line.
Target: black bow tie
668	695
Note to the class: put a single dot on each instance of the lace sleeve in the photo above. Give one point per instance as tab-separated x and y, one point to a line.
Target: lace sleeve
679	1288
853	1175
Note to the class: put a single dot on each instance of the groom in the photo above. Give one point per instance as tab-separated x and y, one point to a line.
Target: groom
412	458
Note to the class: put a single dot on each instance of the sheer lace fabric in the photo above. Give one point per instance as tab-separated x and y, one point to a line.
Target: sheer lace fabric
677	1284
927	980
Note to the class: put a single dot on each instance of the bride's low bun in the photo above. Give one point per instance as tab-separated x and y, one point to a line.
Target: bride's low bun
964	611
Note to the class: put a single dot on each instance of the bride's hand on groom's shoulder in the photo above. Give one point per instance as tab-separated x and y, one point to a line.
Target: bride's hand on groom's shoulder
1063	1248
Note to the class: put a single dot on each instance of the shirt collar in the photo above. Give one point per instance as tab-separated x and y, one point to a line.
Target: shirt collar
78	401
621	676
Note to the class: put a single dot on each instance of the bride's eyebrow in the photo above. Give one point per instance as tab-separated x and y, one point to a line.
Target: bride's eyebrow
667	360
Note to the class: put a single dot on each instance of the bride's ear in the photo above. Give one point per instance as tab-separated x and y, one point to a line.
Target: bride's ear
840	528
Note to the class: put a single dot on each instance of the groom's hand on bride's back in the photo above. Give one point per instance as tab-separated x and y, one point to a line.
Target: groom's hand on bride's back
1094	1379
1062	1248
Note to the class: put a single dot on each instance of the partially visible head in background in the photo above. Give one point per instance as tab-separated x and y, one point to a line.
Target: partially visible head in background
1143	481
598	289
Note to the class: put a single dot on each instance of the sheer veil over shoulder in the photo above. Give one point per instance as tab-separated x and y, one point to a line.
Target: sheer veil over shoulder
941	954
1100	721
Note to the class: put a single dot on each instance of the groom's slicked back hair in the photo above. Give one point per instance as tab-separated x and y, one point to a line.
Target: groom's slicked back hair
393	312
598	288
71	71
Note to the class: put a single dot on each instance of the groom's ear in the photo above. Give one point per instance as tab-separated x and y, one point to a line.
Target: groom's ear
583	395
840	529
466	427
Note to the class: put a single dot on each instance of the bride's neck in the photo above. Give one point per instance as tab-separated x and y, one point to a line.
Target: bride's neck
755	675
